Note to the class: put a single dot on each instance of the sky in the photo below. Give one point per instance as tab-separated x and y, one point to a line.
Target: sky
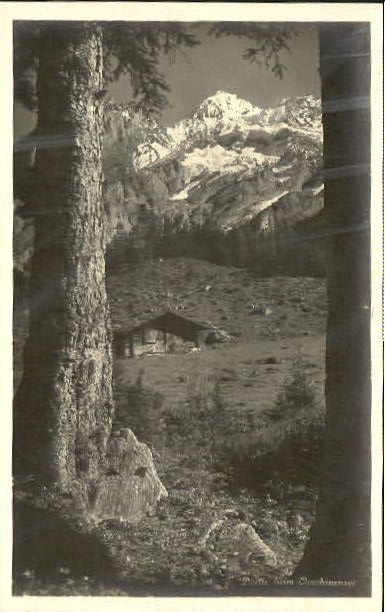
217	64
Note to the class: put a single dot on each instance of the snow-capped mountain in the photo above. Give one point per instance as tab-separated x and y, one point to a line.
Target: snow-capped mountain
227	118
231	168
231	160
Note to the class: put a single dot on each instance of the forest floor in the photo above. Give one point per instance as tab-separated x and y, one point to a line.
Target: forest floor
210	418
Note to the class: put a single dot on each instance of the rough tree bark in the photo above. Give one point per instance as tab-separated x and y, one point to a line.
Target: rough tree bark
64	406
339	547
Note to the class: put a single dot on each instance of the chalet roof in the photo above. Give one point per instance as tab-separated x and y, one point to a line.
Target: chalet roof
168	321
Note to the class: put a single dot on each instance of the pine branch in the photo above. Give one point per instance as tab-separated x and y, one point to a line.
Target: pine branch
133	48
270	40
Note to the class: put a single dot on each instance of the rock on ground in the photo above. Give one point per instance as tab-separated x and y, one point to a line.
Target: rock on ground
236	541
218	336
131	486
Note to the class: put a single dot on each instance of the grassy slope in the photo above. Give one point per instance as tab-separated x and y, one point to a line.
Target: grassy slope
248	384
161	554
296	326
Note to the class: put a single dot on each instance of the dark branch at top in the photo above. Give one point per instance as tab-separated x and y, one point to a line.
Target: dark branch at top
129	47
269	40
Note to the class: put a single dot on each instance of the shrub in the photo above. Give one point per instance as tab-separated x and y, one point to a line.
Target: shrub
284	451
141	412
287	447
297	394
202	418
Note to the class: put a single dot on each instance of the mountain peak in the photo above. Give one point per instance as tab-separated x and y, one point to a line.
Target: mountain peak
223	105
228	107
223	93
229	163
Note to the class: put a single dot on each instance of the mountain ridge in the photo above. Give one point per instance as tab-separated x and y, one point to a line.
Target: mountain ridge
229	168
231	160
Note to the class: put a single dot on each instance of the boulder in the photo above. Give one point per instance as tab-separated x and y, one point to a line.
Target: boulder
228	540
217	336
247	541
131	487
272	360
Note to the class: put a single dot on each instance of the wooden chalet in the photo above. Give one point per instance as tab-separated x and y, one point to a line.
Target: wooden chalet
160	330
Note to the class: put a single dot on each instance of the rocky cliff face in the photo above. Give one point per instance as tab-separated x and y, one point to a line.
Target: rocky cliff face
228	165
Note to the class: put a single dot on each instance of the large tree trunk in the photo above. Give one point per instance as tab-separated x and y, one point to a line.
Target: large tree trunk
339	547
64	406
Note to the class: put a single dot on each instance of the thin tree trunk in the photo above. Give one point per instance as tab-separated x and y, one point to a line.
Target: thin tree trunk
64	406
339	546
